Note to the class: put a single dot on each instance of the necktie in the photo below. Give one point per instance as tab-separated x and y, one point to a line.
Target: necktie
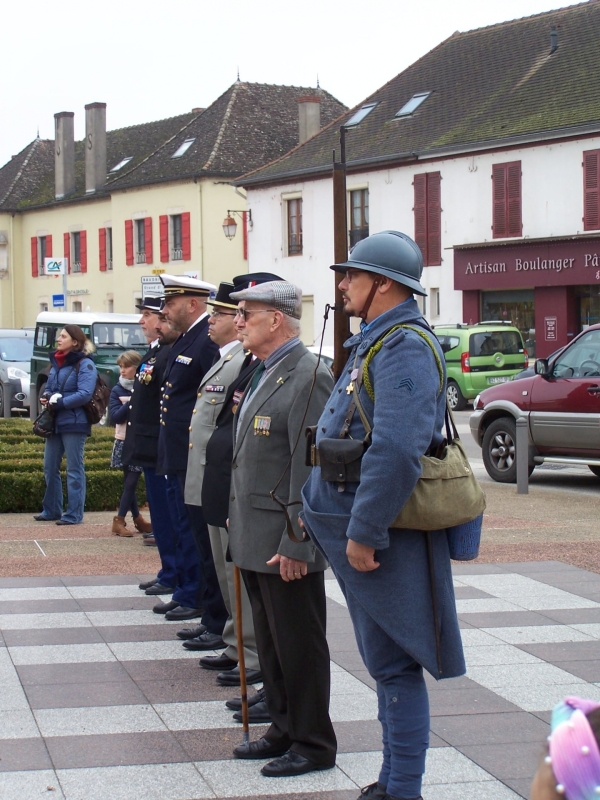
256	377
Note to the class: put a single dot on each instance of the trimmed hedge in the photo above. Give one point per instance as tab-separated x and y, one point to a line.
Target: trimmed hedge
22	482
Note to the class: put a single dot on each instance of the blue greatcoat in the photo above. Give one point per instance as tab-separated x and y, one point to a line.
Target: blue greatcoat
407	417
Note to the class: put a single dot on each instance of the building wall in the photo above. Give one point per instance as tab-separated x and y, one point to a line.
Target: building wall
213	257
552	202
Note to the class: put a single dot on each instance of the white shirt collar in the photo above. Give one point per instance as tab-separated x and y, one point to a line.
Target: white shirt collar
196	321
227	347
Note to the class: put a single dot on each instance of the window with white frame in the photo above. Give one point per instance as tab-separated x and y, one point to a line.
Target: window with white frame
359	215
76	253
294	226
140	241
434	302
76	305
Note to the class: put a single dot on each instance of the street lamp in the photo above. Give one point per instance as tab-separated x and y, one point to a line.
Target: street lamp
230	225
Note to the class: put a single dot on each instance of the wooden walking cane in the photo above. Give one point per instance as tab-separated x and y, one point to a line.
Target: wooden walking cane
240	648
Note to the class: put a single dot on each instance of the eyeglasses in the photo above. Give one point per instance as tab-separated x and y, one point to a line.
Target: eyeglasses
352	274
222	314
244	313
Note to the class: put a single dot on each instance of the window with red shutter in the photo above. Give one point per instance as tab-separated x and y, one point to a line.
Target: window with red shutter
186	244
591	190
163	225
507	218
49	246
129	242
148	237
83	250
428	217
35	270
102	249
67	250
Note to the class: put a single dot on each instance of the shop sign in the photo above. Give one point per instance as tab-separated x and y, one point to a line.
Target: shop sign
550	334
564	263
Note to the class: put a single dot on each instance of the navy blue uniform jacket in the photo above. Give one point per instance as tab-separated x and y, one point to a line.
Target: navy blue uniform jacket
190	357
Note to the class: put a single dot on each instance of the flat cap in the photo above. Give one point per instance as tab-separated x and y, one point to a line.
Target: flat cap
176	285
281	295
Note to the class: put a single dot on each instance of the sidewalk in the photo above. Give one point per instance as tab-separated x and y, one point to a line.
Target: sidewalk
99	699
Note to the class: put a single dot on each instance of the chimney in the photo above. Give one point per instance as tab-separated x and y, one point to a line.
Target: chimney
309	116
64	154
95	147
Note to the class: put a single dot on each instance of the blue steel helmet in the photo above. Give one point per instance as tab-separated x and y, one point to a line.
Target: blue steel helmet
388	253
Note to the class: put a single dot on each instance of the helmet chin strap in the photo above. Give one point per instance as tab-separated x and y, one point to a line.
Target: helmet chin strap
369	300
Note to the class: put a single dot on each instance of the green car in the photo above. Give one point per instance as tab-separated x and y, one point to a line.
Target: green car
479	356
110	333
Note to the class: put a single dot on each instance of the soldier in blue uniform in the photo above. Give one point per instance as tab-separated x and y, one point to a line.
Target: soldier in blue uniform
385	573
197	593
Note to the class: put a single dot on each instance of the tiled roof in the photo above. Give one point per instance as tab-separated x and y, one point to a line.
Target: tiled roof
137	141
494	84
248	126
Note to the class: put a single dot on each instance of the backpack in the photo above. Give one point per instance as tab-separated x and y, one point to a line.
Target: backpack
95	408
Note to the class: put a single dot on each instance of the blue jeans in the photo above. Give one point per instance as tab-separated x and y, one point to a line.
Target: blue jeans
56	446
403	704
162	530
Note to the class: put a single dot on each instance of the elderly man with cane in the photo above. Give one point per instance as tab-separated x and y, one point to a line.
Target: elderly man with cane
284	578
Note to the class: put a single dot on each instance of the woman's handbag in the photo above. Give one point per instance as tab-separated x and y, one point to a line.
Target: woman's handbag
43	424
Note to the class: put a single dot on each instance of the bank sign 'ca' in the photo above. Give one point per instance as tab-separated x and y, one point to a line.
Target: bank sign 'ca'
56	266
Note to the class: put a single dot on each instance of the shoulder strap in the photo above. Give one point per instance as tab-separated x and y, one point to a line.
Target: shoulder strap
379	344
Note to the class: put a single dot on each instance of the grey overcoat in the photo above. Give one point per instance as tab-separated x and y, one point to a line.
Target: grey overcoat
257	526
209	402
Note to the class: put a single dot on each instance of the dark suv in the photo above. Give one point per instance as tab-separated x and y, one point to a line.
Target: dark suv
561	403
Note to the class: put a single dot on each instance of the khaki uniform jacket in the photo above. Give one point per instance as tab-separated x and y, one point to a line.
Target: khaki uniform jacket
257	525
211	396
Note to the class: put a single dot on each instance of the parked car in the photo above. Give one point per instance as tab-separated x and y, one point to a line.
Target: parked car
110	333
16	346
561	403
530	370
478	356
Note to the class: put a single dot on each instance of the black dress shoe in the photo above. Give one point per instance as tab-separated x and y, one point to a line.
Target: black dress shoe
290	764
374	791
147	584
42	518
192	633
236	703
64	522
218	662
232	677
206	641
261	748
162	608
256	713
183	612
158	588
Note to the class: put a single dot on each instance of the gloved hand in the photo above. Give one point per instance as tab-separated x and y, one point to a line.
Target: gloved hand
54	399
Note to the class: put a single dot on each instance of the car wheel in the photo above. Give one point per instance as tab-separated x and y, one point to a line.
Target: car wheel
456	399
596	470
499	450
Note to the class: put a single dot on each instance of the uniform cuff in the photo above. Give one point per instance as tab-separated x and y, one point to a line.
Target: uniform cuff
368	534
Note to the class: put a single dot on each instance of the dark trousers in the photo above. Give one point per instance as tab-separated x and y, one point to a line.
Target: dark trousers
128	500
215	612
189	590
289	622
156	492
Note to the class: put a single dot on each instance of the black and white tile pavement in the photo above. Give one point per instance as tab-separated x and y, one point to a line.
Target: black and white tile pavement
99	699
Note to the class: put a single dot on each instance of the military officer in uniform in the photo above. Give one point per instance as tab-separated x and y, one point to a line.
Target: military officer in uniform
284	578
191	356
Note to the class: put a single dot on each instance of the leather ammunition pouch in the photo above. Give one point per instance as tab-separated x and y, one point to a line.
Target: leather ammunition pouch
340	459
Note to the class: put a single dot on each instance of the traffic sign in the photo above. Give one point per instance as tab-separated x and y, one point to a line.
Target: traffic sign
58	301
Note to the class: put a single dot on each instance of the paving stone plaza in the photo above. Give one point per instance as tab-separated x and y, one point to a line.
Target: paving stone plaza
99	699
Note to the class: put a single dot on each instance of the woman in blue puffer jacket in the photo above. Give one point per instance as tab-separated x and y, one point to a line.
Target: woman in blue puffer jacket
70	386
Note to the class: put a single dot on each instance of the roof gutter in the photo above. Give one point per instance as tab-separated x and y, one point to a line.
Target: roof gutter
433	152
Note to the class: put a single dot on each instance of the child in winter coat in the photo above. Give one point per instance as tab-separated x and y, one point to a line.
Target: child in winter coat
119	408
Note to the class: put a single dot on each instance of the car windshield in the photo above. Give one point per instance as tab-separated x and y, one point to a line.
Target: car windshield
581	360
489	342
119	334
17	349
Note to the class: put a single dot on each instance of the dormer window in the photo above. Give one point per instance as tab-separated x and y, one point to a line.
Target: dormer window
360	115
121	164
183	148
415	101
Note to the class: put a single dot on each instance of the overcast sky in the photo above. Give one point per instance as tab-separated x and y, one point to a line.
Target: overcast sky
150	60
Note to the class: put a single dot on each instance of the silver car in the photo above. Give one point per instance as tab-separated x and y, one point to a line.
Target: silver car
16	347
